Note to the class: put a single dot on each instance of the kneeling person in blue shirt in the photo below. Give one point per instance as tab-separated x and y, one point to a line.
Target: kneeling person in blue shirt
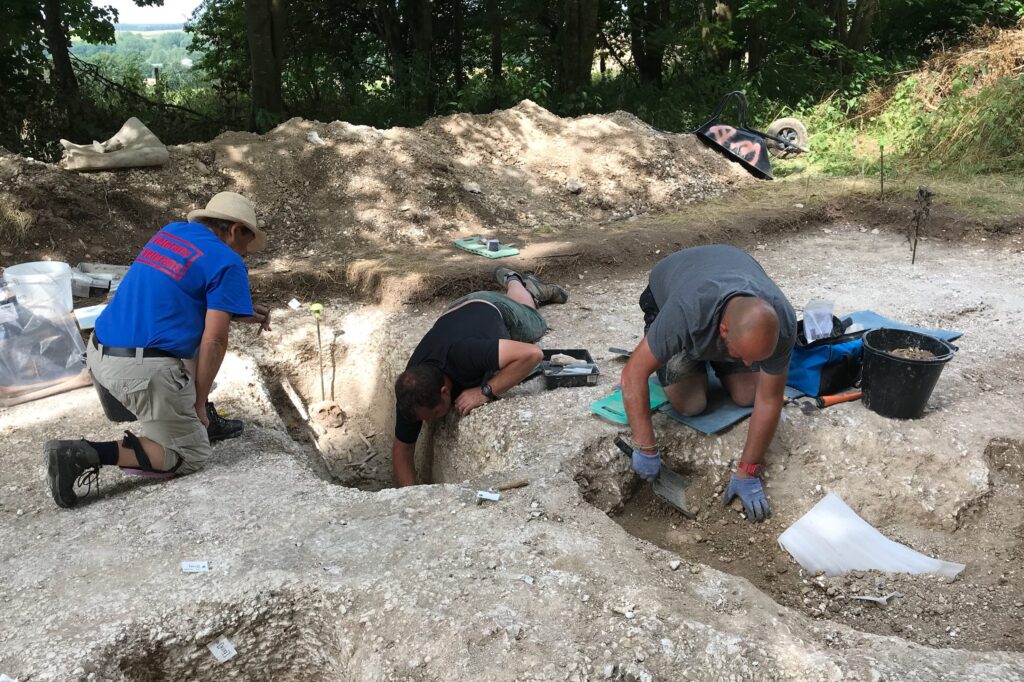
158	346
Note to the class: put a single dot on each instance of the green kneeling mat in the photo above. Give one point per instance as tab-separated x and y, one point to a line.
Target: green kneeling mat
474	245
612	409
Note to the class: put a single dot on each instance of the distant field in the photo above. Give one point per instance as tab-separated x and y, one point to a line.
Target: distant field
148	28
149	34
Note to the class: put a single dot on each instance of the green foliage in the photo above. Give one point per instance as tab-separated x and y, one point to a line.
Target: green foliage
970	131
979	133
377	63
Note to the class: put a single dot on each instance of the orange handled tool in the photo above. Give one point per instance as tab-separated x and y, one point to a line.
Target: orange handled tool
830	400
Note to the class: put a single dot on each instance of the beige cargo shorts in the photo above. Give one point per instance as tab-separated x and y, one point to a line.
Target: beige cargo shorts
161	392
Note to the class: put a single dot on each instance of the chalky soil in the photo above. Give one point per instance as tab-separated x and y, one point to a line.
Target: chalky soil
319	571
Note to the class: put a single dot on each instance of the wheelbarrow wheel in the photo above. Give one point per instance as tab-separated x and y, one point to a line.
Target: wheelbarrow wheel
788	129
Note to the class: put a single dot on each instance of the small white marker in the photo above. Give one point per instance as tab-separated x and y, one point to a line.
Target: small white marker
222	649
294	304
488	495
193	567
5	678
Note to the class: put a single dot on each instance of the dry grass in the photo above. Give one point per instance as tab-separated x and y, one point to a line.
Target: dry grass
991	55
982	196
14	222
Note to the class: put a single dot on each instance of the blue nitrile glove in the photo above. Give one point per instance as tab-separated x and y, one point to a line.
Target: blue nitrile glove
751	493
646	466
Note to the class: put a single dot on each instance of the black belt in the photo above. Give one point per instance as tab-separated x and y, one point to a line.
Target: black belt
120	352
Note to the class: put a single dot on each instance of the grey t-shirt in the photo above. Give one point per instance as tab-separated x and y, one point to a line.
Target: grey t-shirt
691	288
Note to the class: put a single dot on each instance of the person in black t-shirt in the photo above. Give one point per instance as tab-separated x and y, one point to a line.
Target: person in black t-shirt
481	346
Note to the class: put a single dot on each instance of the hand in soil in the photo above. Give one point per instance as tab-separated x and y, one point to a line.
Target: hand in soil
646	465
260	316
751	494
469	401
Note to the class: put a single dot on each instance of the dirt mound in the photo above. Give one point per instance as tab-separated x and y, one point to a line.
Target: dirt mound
335	190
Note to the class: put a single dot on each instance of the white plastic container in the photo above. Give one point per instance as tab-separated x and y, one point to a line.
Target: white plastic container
43	283
87	316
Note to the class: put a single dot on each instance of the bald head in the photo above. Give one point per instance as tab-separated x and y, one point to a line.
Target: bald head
750	328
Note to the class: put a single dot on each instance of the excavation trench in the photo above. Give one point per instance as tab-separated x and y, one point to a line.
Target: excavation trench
279	635
981	610
947	485
345	425
509	441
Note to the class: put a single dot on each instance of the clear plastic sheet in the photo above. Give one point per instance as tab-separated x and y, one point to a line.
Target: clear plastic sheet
40	346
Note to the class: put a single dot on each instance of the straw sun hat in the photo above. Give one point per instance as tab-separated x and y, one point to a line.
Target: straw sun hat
236	208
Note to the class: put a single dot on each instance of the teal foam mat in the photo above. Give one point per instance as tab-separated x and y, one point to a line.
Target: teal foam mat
474	245
612	409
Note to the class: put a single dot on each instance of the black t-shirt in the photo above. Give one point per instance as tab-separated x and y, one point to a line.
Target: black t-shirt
463	344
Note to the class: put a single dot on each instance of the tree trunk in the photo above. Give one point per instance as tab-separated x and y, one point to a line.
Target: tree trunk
391	31
422	22
279	15
716	17
266	61
578	37
757	47
423	30
62	75
860	29
646	19
839	11
460	75
494	23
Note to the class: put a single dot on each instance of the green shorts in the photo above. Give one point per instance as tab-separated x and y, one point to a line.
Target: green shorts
681	366
524	323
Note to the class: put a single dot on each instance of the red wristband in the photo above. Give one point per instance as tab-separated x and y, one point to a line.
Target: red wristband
752	469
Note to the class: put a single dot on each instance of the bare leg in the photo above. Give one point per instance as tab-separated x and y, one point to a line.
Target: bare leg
155	452
518	293
689	395
741	387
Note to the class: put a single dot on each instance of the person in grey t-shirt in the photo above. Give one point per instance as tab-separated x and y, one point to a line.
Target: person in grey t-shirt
712	304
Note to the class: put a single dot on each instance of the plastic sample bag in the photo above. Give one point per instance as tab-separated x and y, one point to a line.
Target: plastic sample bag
40	348
832	539
817	320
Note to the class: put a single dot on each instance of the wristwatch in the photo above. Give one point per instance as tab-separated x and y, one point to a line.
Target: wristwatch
488	392
752	469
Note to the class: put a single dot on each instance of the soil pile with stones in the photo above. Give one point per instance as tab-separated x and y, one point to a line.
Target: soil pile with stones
333	190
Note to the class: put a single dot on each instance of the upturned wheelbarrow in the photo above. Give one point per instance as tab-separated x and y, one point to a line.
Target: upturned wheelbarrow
785	138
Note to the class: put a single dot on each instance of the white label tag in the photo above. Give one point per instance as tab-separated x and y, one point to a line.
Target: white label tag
195	566
294	304
222	649
5	678
488	495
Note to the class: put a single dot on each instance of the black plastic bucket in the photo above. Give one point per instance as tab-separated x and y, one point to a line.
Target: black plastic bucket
900	387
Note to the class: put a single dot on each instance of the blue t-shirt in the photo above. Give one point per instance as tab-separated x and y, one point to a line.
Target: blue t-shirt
184	270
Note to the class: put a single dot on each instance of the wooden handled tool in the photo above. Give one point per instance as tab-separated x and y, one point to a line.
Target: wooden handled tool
830	400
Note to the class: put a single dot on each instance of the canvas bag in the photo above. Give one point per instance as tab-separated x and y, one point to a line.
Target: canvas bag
829	365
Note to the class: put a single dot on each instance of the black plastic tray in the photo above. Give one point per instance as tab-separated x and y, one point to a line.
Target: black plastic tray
552	380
